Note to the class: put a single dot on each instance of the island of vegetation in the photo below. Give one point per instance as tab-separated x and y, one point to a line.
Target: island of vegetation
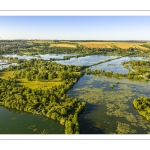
142	104
138	70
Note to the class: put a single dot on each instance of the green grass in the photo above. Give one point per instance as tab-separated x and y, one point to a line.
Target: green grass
7	74
31	84
38	84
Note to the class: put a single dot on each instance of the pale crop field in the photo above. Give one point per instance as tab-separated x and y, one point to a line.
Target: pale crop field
53	44
40	41
122	45
63	45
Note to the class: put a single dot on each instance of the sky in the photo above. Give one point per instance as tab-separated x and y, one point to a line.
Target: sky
75	27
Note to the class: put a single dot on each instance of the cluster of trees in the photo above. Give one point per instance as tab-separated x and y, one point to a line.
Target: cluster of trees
146	45
130	75
21	47
142	104
11	59
111	85
53	102
13	46
43	70
104	73
139	69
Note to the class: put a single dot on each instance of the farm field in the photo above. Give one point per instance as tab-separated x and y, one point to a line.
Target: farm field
63	45
122	45
53	44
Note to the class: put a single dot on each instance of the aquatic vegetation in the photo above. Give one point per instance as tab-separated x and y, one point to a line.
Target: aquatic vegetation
123	128
45	131
32	127
112	85
14	118
144	124
114	105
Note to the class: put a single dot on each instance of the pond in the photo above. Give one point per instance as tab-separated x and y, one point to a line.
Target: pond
110	110
115	65
20	56
56	56
17	122
3	62
41	56
87	60
5	65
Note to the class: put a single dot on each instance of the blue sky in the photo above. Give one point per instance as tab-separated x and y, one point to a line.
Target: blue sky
75	27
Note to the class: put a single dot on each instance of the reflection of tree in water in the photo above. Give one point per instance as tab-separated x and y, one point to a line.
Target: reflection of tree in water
87	126
15	111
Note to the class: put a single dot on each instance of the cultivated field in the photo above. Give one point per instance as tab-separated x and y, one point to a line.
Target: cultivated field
40	41
53	44
122	45
105	44
63	45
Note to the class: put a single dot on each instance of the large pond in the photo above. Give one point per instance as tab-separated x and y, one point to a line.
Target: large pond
110	110
16	122
115	65
87	60
4	63
41	56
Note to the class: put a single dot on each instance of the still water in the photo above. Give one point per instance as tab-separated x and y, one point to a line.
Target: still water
2	65
17	122
87	60
41	56
110	111
115	65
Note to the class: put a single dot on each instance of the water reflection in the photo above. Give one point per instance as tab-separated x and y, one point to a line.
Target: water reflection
87	60
115	65
17	122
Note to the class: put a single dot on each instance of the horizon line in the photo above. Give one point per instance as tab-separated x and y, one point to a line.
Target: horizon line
70	40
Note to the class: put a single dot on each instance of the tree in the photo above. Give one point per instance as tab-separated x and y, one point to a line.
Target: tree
50	76
37	77
28	76
63	75
63	111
